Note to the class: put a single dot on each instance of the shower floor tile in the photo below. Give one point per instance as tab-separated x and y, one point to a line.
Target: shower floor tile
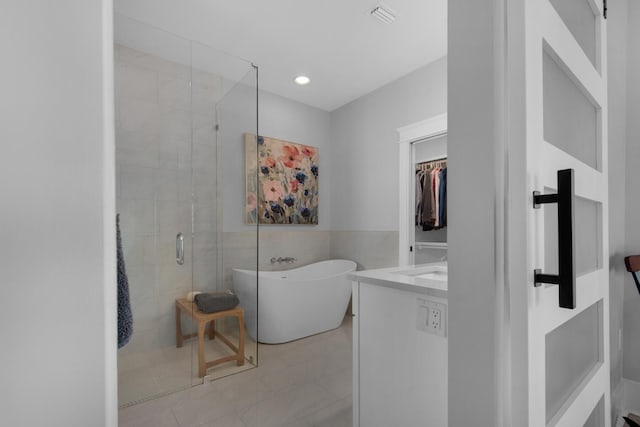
303	383
148	375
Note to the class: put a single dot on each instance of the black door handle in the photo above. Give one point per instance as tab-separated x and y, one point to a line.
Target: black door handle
566	277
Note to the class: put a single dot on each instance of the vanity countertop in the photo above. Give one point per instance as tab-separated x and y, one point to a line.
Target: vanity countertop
430	279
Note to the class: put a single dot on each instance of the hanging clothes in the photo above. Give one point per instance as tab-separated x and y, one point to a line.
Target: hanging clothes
430	195
442	194
436	197
427	201
418	196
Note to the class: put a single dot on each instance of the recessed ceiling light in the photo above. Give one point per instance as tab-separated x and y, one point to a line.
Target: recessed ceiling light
302	80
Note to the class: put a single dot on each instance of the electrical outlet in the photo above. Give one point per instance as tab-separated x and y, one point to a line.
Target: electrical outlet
431	317
438	318
435	316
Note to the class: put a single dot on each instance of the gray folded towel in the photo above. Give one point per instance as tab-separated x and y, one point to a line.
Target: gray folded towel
213	302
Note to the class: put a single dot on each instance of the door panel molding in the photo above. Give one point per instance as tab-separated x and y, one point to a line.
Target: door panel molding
544	32
590	186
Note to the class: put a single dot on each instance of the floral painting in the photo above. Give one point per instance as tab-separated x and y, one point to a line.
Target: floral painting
286	188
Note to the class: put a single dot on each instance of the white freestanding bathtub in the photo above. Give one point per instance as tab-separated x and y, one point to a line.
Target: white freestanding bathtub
294	303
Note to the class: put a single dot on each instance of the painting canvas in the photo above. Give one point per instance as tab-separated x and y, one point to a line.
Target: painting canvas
286	188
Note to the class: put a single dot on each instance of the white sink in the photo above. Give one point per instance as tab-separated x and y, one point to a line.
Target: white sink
435	272
433	275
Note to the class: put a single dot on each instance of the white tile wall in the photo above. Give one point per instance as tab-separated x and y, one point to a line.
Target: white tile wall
136	215
136	182
140	83
173	217
174	94
137	114
370	249
302	243
156	109
140	249
204	215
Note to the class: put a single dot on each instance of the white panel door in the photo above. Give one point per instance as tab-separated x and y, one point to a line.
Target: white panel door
562	44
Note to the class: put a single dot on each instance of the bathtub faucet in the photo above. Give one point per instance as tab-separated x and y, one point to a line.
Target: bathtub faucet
288	260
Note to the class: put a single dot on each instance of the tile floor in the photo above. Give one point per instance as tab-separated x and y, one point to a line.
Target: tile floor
154	373
303	383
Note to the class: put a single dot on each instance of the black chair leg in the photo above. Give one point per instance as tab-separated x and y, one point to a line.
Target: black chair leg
631	423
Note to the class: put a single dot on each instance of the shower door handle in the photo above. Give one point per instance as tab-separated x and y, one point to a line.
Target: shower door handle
566	277
180	249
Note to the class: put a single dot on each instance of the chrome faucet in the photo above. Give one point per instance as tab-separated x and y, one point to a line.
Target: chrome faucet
279	260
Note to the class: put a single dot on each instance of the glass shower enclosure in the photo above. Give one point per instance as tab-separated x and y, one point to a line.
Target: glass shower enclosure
182	112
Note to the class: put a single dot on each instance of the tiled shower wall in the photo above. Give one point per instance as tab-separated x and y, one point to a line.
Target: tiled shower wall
157	115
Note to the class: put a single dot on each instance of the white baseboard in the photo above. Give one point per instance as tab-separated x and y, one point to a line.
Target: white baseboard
626	397
617	404
631	395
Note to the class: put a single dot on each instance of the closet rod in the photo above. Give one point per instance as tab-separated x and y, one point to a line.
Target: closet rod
432	163
441	159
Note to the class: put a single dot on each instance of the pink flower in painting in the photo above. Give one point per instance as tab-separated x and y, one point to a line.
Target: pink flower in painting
308	151
269	162
290	156
293	186
272	191
252	201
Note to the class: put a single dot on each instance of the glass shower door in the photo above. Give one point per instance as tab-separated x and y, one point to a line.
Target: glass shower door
182	110
225	110
153	197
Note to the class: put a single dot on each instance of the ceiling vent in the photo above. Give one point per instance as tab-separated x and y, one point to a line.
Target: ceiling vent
383	15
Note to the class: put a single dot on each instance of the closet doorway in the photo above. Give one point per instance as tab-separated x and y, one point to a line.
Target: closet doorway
422	215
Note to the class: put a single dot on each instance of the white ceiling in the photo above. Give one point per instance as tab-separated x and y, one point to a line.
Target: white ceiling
346	52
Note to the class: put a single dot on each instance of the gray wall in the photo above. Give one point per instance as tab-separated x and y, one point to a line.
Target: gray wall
288	120
617	46
279	118
631	338
474	228
365	154
58	220
364	162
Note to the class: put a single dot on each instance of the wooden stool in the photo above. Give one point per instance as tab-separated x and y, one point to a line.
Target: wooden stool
202	319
